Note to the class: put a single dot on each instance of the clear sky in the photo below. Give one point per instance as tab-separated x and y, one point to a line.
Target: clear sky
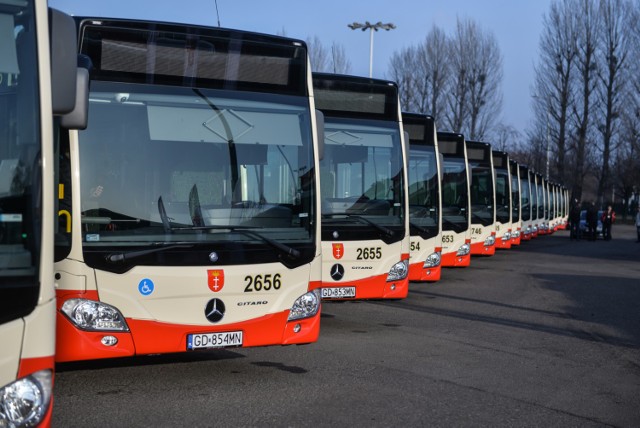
516	24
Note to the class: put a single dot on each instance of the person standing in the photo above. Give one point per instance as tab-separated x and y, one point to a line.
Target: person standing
638	222
608	218
574	220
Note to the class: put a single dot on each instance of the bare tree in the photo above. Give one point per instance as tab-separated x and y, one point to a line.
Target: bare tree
421	74
340	64
554	73
458	97
613	55
402	70
506	138
432	59
318	55
476	69
585	84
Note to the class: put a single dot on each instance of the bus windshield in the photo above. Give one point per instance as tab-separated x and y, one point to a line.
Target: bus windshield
515	194
503	197
423	188
525	201
20	178
481	194
535	199
162	164
361	172
454	195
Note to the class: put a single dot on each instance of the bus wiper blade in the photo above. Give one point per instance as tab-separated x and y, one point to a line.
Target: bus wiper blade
418	228
248	231
163	216
385	230
287	250
122	257
388	232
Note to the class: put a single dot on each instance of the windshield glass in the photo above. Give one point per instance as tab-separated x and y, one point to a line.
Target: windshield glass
515	198
503	197
540	194
454	195
20	178
423	188
481	194
525	201
361	173
535	198
168	164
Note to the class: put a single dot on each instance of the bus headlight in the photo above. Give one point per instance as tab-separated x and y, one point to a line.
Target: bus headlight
491	240
463	250
24	402
306	305
91	315
432	260
506	236
398	271
516	234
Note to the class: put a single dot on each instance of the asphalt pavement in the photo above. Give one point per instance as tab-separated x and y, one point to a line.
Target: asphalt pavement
545	334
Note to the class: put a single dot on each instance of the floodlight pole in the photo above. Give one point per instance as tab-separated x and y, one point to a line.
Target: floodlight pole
371	27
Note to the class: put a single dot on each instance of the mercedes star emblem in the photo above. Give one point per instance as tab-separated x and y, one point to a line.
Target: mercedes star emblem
337	272
214	311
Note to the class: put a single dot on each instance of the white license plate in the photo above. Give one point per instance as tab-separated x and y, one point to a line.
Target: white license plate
338	292
214	340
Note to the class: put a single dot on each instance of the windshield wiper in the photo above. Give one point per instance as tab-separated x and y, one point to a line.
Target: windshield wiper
122	257
163	216
418	228
249	231
385	230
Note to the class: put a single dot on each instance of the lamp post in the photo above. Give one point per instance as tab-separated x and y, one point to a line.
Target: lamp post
371	27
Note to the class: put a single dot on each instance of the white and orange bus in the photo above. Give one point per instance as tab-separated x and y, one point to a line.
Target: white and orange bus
456	216
193	221
482	197
365	222
425	206
516	220
502	177
38	79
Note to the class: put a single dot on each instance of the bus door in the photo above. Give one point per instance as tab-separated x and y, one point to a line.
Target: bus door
425	213
502	177
365	236
482	197
456	224
516	221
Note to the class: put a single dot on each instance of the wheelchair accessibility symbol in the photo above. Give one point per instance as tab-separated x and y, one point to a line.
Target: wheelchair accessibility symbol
145	287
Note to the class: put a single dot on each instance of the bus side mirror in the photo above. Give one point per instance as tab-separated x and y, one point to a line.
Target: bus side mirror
77	118
63	49
320	133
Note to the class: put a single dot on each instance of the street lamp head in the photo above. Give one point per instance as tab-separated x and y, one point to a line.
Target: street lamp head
369	26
